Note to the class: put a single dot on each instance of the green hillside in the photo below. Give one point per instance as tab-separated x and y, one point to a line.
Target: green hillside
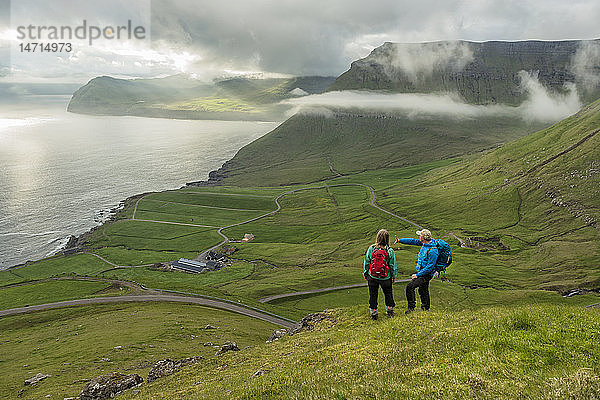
179	96
482	73
534	201
529	352
520	210
308	148
498	328
317	144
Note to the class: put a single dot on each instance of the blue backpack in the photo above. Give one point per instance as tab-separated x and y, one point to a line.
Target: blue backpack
444	256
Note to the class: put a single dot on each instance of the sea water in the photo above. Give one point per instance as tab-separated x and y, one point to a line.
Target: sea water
60	173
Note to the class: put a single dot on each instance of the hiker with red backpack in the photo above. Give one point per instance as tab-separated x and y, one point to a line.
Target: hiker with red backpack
380	270
434	256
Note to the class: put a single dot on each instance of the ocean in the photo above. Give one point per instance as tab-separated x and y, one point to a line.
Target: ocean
61	173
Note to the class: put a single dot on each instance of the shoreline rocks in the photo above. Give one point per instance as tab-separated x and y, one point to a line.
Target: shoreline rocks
215	177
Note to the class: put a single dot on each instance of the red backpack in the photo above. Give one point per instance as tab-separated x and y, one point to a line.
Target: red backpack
379	263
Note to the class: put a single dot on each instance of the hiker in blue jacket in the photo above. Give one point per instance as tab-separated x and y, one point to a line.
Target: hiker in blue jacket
425	269
380	270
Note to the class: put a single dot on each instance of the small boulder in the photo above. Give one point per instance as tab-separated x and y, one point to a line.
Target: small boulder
167	367
276	335
261	372
108	386
228	346
210	327
36	379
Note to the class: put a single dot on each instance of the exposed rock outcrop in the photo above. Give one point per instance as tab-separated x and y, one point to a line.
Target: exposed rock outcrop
308	322
481	73
277	334
36	379
261	372
228	346
108	386
167	367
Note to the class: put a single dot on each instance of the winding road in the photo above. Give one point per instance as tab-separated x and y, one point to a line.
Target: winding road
322	290
372	203
220	304
207	300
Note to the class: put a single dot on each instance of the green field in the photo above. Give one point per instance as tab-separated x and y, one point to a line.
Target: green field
53	291
79	264
152	236
74	345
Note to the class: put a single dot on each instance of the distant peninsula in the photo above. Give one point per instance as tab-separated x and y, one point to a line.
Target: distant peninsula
182	97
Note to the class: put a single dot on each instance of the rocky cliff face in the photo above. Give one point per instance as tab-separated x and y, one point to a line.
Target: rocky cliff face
481	73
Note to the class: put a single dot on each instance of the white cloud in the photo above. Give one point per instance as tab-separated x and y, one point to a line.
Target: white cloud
543	106
420	61
586	65
540	105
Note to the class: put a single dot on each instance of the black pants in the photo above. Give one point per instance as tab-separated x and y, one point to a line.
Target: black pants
422	282
386	286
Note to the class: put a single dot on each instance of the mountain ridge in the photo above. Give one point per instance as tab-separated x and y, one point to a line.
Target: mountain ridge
481	72
182	97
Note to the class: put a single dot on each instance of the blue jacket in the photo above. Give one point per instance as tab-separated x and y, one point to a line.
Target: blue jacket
393	270
427	255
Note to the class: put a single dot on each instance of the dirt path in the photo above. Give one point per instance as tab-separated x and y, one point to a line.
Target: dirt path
223	305
115	265
134	287
202	256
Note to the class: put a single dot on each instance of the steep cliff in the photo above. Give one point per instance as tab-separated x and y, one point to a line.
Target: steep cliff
482	73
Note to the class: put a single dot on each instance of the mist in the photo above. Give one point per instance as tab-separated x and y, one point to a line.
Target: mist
420	61
585	65
541	105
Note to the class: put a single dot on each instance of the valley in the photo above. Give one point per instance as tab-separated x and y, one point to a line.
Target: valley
517	314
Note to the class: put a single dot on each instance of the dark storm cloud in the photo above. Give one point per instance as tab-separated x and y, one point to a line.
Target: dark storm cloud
296	37
323	37
299	37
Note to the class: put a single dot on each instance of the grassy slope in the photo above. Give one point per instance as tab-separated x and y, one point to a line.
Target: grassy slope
46	292
70	344
546	213
318	239
525	352
305	147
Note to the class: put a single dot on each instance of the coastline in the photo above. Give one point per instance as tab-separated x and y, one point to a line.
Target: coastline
76	244
95	195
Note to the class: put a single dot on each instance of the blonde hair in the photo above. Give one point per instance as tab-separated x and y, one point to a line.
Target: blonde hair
383	238
425	234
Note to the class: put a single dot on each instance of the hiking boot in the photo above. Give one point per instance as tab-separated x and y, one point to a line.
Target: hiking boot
391	314
409	310
374	317
424	308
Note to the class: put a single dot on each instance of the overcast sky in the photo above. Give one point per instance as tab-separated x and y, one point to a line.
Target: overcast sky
296	37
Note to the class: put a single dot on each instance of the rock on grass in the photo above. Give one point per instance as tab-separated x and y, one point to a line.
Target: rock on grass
107	386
